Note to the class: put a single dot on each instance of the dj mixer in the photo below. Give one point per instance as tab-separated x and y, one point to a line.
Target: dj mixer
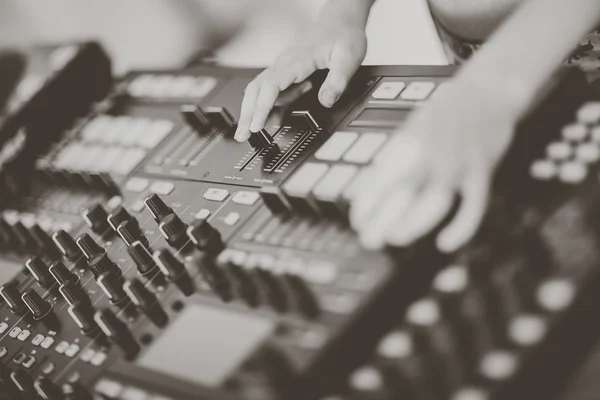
147	255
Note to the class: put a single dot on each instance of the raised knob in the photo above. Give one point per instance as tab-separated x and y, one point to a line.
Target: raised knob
36	304
67	245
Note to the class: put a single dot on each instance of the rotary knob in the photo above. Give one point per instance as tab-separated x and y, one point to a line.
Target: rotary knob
83	316
142	258
173	229
67	245
205	237
111	284
39	270
39	307
145	300
118	216
73	293
43	241
157	207
195	117
130	232
61	273
12	297
174	270
102	264
96	217
88	246
117	331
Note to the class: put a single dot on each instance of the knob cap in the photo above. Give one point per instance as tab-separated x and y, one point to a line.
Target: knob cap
39	270
260	139
73	293
112	285
157	207
117	331
195	117
62	274
205	236
47	389
129	232
66	245
12	297
306	119
83	316
36	304
22	380
95	217
88	246
219	117
173	229
118	216
102	264
142	258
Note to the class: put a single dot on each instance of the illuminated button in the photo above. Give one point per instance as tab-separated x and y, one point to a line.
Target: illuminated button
388	90
572	172
418	91
136	129
246	198
72	350
305	178
543	170
48	368
424	312
559	150
37	340
498	365
556	295
131	393
163	188
3	327
204	85
365	148
129	160
98	359
29	362
395	345
155	133
335	147
332	185
527	330
3	351
320	272
108	388
47	343
15	332
589	113
453	279
203	213
574	132
62	347
23	335
87	355
19	358
231	219
214	194
366	379
588	152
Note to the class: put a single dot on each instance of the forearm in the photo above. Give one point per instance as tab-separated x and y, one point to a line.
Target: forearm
527	49
350	11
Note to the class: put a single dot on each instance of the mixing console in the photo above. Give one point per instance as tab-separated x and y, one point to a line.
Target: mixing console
147	255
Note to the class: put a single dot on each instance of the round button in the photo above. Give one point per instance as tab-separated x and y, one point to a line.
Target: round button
556	295
366	379
498	365
574	132
572	172
588	152
424	312
589	113
543	170
470	393
559	150
453	279
527	330
395	345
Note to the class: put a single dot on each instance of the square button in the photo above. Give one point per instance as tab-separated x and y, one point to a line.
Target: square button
418	91
203	213
72	350
335	147
388	90
137	185
3	327
62	347
37	340
98	359
87	355
162	187
15	332
29	362
47	343
131	393
246	198
19	358
108	388
231	219
23	335
214	194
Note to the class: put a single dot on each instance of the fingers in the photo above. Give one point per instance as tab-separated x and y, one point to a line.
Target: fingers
292	94
475	192
343	64
242	132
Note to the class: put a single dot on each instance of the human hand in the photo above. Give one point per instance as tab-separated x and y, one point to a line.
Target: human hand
337	45
451	146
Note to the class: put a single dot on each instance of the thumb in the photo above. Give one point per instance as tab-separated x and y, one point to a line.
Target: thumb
343	63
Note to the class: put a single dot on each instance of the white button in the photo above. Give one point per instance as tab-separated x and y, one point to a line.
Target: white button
588	152
137	185
110	157
424	312
29	362
334	182
129	160
157	131
556	295
527	330
24	335
305	178
47	343
14	332
133	394
366	379
181	86
320	272
388	90
72	350
231	219
395	345
114	202
572	172
543	169
559	150
214	194
470	393
37	340
245	198
204	85
62	347
498	365
138	206
589	113
3	327
161	85
365	148
87	355
140	85
335	147
136	129
116	130
99	359
108	388
453	279
418	91
574	132
3	351
203	213
163	188
95	129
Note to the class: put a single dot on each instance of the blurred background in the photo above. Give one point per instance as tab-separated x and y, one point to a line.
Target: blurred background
167	33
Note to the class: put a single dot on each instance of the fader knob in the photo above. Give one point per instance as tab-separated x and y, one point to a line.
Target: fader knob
157	207
36	304
66	245
260	139
88	246
219	117
12	297
61	273
205	236
23	381
307	118
119	216
111	284
117	331
142	259
83	316
173	229
95	217
195	117
275	199
47	389
39	270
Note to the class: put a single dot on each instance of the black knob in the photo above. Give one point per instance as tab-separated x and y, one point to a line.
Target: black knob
12	297
47	389
88	246
62	274
169	265
42	240
129	231
157	207
306	119
173	229
146	301
195	117
73	293
111	284
205	236
102	264
83	316
117	331
215	276
95	217
36	304
22	235
39	270
260	139
219	117
118	216
142	258
66	245
23	381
